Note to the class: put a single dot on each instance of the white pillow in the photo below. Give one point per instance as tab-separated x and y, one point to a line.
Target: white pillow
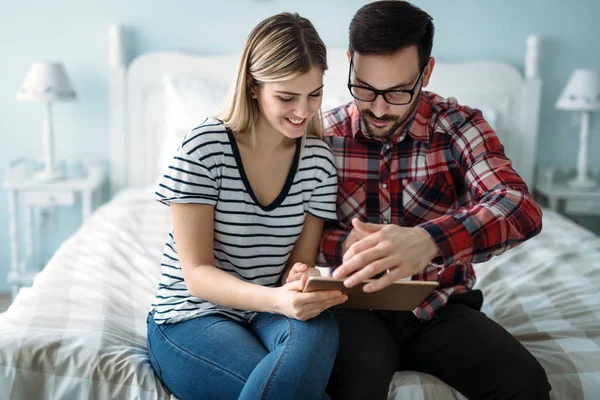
491	116
188	102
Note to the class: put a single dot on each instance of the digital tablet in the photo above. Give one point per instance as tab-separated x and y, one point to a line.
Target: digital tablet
401	295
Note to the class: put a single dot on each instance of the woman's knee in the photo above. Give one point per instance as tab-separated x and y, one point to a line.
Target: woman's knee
322	329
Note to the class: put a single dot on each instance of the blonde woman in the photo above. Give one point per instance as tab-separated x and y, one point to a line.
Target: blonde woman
248	192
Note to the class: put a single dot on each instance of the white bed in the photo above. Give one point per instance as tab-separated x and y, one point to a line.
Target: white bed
80	330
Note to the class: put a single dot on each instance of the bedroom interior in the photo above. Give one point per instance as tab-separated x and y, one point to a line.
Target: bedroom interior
77	330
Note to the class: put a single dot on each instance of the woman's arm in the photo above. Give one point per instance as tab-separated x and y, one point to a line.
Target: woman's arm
193	227
306	247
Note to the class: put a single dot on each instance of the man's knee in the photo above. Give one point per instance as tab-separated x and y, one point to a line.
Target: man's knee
531	382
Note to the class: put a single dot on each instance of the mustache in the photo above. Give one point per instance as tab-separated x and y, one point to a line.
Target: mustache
370	115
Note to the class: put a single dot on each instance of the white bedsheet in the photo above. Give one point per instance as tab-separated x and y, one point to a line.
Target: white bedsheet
80	331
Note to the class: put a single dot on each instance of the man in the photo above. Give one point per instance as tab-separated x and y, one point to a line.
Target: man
425	190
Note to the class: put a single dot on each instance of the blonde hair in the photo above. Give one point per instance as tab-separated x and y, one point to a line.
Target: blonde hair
279	48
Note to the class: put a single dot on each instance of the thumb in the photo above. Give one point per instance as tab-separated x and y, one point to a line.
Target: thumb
366	227
299	267
299	284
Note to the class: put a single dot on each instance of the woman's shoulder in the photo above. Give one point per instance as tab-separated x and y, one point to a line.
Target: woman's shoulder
317	152
315	145
207	137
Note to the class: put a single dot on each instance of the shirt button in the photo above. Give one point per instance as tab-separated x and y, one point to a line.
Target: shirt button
387	146
384	185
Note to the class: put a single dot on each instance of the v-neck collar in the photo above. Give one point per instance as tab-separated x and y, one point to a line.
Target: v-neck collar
286	186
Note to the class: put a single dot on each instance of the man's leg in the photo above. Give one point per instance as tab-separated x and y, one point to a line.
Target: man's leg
475	355
368	357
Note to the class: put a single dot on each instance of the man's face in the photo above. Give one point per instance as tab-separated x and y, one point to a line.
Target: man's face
398	71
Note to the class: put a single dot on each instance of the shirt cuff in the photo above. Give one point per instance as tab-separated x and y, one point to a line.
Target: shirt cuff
452	238
331	246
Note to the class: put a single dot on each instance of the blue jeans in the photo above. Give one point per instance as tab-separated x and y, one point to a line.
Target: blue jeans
272	357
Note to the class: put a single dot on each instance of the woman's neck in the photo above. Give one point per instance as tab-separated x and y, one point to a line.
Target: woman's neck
267	138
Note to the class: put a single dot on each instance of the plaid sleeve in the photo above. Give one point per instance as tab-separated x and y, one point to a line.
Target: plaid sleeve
504	214
330	249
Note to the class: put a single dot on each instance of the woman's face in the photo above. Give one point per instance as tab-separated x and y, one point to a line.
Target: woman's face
288	105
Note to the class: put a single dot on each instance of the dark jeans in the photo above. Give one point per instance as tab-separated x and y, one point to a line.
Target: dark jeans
461	346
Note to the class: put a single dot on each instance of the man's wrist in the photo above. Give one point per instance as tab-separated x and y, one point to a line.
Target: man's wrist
432	250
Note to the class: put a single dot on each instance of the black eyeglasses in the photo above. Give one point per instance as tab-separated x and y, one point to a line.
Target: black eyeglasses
394	96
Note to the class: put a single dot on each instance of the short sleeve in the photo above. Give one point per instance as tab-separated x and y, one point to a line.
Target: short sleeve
189	177
322	202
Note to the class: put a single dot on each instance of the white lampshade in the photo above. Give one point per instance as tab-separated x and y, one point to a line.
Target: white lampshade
582	92
46	81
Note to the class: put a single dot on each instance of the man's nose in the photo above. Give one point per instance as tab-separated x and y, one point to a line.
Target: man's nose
380	107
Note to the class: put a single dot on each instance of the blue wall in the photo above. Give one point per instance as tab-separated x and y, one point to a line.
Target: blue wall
75	32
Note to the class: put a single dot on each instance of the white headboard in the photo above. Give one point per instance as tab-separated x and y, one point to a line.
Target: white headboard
136	109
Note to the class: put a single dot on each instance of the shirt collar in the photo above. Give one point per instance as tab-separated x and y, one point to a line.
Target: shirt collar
418	128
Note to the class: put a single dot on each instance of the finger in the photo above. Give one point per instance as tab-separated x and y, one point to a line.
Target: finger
320	296
318	308
293	277
359	261
334	302
366	227
361	245
386	280
298	285
370	270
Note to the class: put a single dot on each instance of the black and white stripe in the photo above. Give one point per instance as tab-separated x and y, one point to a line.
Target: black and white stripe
251	241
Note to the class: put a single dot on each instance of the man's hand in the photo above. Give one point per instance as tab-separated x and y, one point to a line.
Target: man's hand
353	237
399	250
300	269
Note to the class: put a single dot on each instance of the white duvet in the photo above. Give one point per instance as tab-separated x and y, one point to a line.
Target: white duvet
80	331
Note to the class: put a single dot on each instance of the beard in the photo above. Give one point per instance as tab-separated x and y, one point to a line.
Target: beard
400	121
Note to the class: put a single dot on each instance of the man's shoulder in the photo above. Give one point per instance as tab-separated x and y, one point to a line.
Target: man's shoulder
339	121
450	116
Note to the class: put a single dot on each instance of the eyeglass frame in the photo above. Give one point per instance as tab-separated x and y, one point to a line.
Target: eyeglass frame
383	92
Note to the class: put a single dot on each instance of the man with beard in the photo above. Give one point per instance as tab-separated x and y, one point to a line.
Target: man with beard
425	190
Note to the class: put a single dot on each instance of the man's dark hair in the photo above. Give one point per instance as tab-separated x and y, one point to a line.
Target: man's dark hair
384	27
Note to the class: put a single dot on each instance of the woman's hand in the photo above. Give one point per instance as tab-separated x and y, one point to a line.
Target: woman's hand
300	269
293	303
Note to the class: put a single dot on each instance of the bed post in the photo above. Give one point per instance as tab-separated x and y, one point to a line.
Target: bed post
117	83
529	119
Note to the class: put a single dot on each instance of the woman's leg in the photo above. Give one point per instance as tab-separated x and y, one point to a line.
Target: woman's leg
301	356
209	357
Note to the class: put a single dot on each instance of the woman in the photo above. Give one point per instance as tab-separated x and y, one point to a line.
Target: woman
248	193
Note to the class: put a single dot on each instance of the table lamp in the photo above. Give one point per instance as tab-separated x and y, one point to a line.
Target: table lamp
48	82
582	94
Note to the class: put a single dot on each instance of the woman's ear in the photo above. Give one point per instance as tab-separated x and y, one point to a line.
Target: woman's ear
252	87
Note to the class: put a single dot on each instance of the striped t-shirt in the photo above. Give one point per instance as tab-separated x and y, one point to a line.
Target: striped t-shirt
251	242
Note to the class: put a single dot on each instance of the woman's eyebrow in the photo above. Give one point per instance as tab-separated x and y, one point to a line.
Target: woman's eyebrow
298	94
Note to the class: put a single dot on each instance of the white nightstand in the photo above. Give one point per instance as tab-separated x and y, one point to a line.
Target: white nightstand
26	195
579	204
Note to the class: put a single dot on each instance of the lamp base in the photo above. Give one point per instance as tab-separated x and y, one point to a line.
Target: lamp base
47	176
583	183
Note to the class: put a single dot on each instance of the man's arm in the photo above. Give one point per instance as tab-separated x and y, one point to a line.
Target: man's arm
505	214
331	248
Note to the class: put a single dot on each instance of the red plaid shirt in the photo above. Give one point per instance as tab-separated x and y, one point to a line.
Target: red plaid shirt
446	173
